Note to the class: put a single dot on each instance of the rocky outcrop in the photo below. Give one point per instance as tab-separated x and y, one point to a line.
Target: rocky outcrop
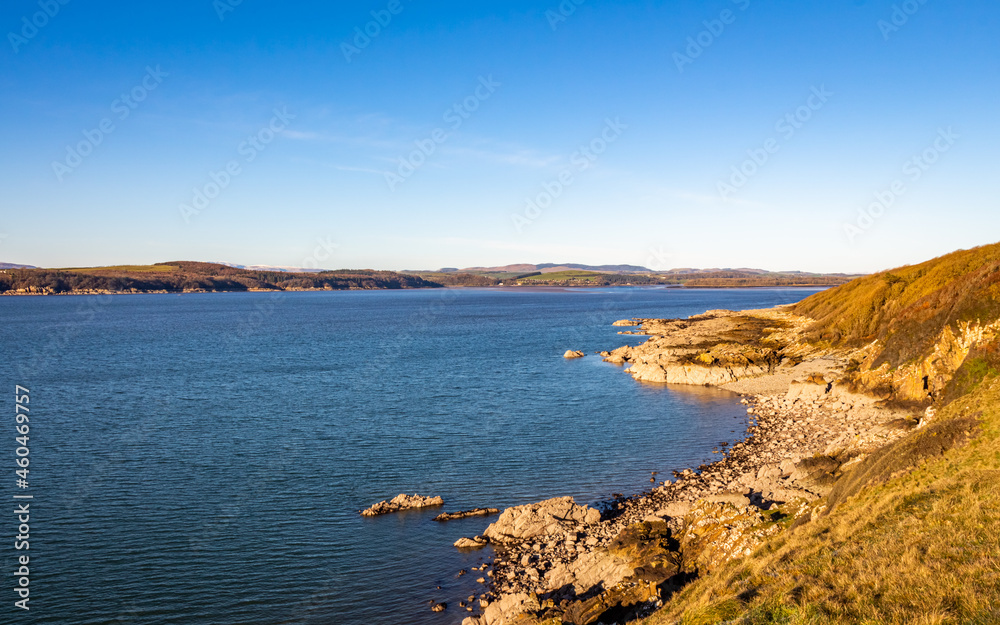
691	374
717	348
477	542
578	576
506	610
454	516
402	502
716	532
617	580
617	583
570	355
547	518
627	323
619	356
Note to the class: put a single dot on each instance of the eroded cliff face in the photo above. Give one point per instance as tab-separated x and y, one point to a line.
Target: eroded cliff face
720	348
922	381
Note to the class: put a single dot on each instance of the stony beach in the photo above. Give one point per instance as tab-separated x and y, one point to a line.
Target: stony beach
559	562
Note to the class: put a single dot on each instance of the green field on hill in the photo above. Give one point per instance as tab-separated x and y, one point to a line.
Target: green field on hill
567	276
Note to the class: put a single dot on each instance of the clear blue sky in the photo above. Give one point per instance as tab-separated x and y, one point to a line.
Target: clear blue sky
531	91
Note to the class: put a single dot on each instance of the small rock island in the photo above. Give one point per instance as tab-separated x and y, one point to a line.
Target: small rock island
402	502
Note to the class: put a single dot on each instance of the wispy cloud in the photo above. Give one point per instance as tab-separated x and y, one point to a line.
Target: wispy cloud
366	141
339	167
713	200
364	170
392	148
301	136
517	158
650	194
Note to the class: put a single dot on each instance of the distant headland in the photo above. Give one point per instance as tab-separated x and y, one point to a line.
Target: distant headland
201	277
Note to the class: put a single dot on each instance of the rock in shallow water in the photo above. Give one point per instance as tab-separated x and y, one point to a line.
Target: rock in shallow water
453	516
477	542
402	502
572	354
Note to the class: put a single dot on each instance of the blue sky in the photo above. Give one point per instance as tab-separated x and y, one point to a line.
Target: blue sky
779	135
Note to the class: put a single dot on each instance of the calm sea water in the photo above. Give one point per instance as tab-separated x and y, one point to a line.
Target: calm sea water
201	459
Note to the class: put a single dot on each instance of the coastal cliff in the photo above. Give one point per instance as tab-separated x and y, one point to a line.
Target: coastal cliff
833	416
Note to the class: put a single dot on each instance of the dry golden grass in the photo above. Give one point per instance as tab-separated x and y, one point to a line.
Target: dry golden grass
907	308
922	548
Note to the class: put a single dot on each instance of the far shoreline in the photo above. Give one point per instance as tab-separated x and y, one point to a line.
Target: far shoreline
540	288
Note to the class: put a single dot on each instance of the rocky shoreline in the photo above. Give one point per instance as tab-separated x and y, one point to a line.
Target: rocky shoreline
557	562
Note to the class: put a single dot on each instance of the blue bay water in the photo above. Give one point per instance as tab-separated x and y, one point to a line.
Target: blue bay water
201	459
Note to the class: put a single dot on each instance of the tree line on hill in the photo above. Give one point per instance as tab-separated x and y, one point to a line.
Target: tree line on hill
179	277
186	277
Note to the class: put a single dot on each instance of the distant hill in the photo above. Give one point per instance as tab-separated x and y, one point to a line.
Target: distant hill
554	268
186	277
273	268
520	268
550	267
728	278
687	272
555	275
15	266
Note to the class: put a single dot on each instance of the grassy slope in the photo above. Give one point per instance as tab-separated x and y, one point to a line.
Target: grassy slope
907	308
922	548
913	533
575	275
